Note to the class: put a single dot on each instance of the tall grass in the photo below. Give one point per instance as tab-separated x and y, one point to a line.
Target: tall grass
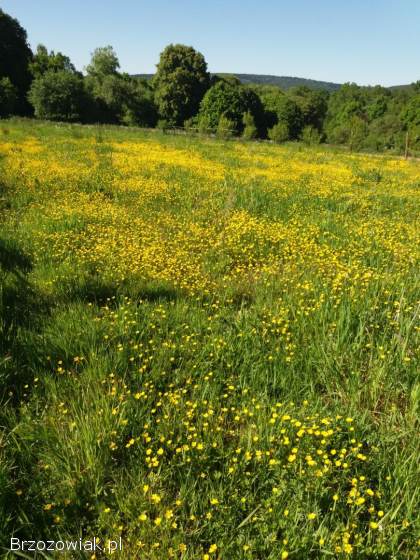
207	348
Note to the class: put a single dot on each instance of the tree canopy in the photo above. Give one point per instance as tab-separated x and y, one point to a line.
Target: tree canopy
180	83
15	57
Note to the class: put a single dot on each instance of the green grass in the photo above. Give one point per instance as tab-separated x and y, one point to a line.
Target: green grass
301	315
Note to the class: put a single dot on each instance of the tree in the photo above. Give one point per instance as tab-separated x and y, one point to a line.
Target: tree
43	61
8	97
15	56
104	86
58	96
180	83
357	133
279	108
103	62
411	113
312	104
116	97
138	107
232	101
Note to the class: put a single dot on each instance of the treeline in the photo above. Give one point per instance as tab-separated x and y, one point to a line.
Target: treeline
183	94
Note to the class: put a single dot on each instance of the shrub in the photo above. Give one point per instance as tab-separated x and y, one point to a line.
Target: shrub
191	124
250	130
279	133
163	125
204	126
225	128
310	135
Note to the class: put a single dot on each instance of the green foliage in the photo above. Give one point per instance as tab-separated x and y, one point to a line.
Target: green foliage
411	113
58	96
163	125
180	82
311	135
250	130
225	127
182	93
138	107
43	61
104	62
203	125
281	109
312	105
15	57
191	124
279	133
232	101
115	97
357	131
8	97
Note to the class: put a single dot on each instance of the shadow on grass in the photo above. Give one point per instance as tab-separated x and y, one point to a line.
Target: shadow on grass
93	289
21	308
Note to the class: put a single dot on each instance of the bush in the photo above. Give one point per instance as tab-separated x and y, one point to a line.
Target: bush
279	133
191	124
163	125
204	126
310	135
58	96
250	130
8	97
225	128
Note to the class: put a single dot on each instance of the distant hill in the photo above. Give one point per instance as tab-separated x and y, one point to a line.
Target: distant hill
283	82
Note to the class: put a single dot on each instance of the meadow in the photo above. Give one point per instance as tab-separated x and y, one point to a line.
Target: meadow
207	348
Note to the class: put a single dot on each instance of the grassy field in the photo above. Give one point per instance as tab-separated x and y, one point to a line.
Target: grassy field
207	348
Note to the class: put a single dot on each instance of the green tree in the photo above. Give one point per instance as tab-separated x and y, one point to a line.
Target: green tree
44	61
313	105
15	56
357	133
116	97
137	105
103	62
410	115
104	87
8	97
58	96
180	83
232	101
279	108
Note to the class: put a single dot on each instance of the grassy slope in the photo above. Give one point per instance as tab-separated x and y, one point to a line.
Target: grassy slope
204	343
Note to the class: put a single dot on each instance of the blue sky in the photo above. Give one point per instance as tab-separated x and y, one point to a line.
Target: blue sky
365	41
